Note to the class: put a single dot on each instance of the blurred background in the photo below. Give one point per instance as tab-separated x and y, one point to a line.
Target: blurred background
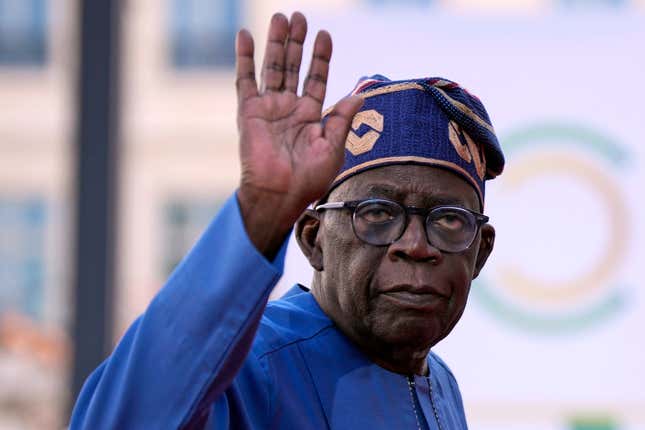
553	334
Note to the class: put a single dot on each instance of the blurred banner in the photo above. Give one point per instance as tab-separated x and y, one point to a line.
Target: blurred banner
552	337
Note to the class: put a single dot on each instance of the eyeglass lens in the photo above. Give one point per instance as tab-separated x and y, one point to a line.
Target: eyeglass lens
380	222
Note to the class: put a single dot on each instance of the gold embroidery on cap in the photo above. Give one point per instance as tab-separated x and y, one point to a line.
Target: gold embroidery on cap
453	135
380	91
480	157
390	89
467	149
360	145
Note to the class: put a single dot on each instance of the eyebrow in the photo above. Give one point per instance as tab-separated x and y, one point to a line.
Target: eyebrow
447	201
381	189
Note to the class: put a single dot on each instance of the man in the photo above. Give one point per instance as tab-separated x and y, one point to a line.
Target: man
395	238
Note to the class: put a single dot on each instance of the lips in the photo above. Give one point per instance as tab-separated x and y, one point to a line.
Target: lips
422	297
416	289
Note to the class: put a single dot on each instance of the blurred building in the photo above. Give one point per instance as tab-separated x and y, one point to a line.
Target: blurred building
179	160
36	117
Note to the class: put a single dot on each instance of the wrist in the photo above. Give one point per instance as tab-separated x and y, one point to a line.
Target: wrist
266	219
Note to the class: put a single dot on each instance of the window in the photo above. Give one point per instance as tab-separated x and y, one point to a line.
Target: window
203	33
22	256
184	221
23	27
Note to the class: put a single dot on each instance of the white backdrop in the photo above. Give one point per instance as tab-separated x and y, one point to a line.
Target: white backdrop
553	334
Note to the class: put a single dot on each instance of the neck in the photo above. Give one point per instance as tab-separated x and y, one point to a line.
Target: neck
399	359
405	359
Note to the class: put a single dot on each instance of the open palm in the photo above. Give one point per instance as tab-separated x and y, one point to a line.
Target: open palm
288	157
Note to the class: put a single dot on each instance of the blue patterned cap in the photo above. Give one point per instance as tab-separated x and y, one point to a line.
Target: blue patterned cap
428	121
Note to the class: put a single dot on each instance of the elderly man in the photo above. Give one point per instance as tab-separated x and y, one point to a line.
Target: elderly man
396	235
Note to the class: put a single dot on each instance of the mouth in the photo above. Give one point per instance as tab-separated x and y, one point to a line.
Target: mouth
422	298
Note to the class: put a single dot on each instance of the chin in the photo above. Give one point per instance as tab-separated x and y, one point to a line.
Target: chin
412	331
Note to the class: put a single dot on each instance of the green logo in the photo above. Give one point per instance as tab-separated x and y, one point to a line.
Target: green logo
570	219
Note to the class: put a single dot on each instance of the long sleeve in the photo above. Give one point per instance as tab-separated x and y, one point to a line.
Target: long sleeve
191	341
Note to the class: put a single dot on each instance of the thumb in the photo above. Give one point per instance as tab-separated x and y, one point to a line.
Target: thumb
340	118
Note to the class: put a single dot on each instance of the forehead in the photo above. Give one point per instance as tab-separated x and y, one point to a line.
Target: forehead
411	184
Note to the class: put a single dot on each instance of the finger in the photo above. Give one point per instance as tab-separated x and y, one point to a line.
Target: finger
297	34
340	119
273	66
316	80
245	66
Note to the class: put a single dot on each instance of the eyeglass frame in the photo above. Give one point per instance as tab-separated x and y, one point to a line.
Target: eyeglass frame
352	205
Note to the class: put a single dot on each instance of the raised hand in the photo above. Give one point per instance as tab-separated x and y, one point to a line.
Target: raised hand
288	158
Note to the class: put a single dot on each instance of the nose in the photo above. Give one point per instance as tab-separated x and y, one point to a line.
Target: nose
414	244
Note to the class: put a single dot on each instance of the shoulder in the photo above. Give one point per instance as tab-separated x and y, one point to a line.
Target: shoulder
442	374
440	366
448	389
290	320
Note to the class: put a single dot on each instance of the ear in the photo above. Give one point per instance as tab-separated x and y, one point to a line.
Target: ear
485	247
307	236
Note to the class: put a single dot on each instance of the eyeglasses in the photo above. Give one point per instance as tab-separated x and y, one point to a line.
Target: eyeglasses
382	222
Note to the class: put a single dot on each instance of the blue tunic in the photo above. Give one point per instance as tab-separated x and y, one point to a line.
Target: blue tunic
210	353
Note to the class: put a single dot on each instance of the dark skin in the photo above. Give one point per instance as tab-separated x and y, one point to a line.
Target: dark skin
395	302
289	160
288	157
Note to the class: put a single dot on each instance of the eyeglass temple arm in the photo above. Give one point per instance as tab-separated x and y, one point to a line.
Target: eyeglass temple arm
331	205
481	218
